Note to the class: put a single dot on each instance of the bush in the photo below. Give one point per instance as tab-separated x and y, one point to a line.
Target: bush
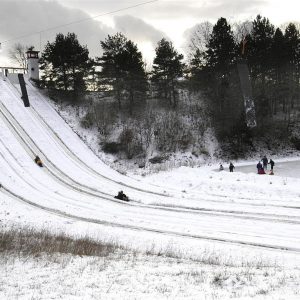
157	159
112	147
126	137
87	121
296	142
28	241
130	143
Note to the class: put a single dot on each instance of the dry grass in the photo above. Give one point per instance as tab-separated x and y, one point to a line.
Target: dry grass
28	241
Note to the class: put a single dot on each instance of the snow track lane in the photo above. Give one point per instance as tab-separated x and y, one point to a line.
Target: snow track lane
215	212
202	199
71	154
39	100
132	227
137	228
281	236
31	148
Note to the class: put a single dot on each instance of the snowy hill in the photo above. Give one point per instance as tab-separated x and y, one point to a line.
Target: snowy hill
241	217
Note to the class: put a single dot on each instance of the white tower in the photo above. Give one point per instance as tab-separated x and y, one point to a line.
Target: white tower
33	64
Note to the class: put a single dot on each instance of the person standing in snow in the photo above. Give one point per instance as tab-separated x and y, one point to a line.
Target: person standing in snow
272	163
265	162
231	167
221	168
259	167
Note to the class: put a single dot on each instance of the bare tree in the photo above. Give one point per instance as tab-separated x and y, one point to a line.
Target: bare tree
18	55
241	29
199	36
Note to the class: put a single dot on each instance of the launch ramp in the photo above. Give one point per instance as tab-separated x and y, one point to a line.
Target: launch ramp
247	93
23	90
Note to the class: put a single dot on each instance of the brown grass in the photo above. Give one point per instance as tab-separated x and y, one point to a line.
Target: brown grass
29	241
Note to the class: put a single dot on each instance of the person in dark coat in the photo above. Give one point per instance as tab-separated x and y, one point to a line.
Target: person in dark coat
122	196
231	167
38	161
272	164
265	162
259	167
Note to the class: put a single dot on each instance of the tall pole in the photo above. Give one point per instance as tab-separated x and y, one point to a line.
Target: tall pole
40	41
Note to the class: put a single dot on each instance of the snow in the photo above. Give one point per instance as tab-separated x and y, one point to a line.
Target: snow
240	217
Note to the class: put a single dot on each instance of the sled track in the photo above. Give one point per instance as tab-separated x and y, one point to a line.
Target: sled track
86	167
29	145
137	228
61	143
80	163
69	182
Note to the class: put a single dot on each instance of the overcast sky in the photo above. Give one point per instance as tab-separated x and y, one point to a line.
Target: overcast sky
144	24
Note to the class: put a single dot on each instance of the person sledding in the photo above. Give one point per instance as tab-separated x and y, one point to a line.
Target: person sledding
38	161
122	196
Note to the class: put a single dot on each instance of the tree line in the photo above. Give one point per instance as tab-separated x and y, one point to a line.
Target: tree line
272	55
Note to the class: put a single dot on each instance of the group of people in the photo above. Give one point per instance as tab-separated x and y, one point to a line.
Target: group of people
262	166
231	167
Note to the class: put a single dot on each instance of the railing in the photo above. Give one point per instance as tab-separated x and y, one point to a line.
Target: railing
13	70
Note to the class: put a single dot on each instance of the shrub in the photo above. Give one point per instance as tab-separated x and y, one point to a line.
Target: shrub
27	241
157	159
87	121
112	147
130	144
296	142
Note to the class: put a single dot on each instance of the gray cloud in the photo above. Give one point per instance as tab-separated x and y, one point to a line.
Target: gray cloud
26	18
170	9
138	30
203	9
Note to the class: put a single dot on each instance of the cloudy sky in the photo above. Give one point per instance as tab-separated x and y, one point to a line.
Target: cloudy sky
22	20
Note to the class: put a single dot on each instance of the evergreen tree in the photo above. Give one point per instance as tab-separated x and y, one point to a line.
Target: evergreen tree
65	63
122	74
292	40
197	70
279	60
259	53
221	48
222	80
167	68
260	48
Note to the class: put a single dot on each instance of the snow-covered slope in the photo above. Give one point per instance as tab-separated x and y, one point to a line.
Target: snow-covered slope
223	209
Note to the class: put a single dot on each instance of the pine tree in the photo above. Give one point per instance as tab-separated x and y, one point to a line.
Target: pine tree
222	81
279	60
65	63
122	74
259	54
260	48
292	40
167	68
221	48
